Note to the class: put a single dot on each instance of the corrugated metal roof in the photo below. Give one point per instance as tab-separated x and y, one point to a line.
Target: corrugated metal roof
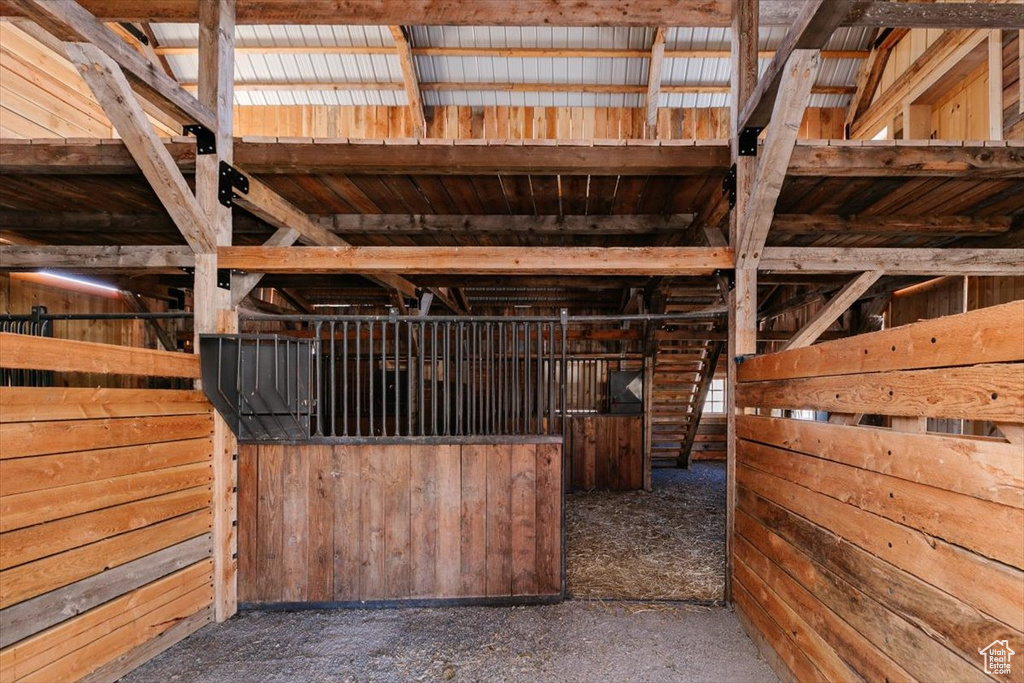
253	67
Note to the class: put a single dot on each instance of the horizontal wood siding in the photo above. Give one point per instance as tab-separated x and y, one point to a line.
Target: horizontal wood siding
349	523
508	123
864	552
105	520
710	441
606	452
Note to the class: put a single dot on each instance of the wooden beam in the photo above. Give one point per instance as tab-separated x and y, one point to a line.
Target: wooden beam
242	284
497	52
894	261
935	226
404	224
837	159
773	161
112	91
638	13
24	352
858	160
271	207
410	79
71	22
491	86
814	26
870	75
832	311
167	259
655	62
381	261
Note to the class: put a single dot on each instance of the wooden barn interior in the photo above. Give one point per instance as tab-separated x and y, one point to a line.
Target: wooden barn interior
647	318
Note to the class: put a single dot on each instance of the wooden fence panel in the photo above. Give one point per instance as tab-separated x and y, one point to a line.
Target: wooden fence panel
105	514
605	452
907	548
401	522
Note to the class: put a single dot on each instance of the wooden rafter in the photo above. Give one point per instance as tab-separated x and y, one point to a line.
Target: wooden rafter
935	226
830	312
870	75
655	62
813	28
69	22
774	158
114	94
410	79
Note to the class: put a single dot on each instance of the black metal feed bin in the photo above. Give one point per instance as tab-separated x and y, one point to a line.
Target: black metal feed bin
261	384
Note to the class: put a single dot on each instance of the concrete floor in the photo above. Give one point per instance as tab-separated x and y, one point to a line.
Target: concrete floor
574	641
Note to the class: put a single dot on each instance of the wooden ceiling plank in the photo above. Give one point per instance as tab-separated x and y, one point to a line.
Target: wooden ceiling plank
887	225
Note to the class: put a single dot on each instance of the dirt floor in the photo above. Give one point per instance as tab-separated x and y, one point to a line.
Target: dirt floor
575	641
667	544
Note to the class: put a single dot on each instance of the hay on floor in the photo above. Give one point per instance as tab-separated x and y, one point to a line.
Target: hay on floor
667	545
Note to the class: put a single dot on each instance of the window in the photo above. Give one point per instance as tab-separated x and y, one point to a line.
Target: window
715	401
803	415
882	134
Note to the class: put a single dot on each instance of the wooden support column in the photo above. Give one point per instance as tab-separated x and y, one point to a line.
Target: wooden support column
212	304
742	300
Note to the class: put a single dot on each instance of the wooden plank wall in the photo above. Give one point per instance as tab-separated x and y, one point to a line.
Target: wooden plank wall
605	452
1013	111
105	518
711	437
507	123
868	553
348	523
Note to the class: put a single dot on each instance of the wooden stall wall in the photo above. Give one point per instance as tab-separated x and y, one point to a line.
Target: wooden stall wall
711	436
105	514
605	452
354	523
867	553
506	123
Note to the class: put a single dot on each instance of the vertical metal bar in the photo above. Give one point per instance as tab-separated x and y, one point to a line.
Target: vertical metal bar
334	384
490	380
470	378
502	389
317	328
369	377
383	378
564	345
433	378
344	376
359	383
420	405
398	385
551	378
408	377
514	428
446	361
527	393
459	348
540	377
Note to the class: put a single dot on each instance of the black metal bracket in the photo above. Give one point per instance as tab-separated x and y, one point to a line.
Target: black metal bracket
230	179
748	141
224	278
729	186
206	141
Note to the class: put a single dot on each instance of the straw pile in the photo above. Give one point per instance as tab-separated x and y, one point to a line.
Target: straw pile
664	545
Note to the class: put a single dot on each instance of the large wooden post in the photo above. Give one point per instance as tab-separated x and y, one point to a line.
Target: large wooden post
743	297
212	304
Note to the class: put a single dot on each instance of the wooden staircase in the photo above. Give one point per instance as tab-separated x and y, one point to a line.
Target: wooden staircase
684	365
